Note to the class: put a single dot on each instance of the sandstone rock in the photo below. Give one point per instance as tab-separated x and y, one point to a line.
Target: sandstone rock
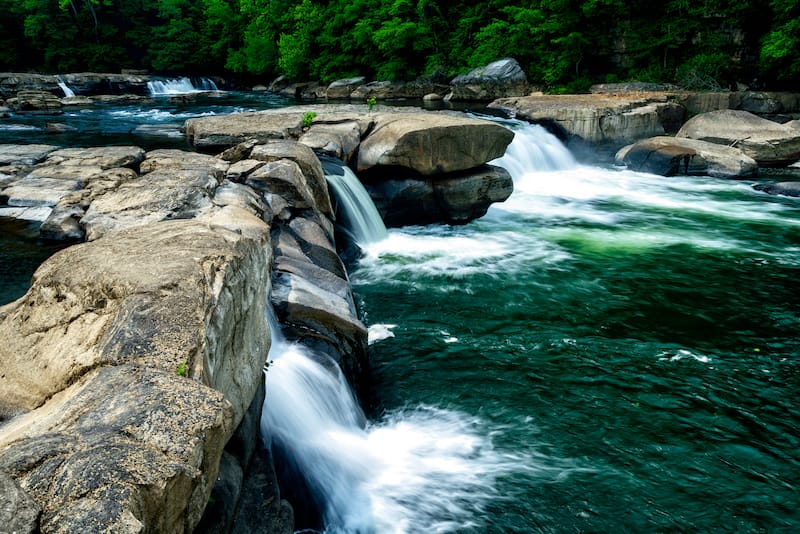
386	90
452	198
125	449
789	189
35	101
59	128
285	179
19	514
232	194
157	196
34	191
767	142
239	171
600	119
24	154
104	157
669	156
306	160
168	159
224	131
77	101
341	89
432	143
502	78
156	295
339	140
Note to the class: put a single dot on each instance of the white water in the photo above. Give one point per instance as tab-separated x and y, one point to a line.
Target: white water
178	86
360	215
67	91
430	468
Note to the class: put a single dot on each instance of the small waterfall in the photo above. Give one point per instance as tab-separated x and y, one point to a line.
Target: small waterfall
420	469
179	86
534	149
67	91
358	213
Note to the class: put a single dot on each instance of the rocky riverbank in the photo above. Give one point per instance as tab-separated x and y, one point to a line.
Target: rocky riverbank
131	382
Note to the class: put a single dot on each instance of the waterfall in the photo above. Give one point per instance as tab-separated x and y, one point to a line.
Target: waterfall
67	91
421	469
534	149
357	212
178	86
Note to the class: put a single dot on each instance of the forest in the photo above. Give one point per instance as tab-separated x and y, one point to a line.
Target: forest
563	45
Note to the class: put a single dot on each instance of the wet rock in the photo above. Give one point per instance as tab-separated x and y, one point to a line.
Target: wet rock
789	189
453	198
432	143
767	142
670	156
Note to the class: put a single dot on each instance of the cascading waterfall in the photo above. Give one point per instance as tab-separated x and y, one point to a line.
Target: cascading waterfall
67	91
417	469
178	86
533	149
358	213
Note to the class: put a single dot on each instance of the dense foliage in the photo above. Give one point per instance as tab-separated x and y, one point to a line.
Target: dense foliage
561	44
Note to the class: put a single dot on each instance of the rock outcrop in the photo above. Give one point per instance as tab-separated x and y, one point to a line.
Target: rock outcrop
670	156
408	145
134	357
789	189
499	79
767	142
598	119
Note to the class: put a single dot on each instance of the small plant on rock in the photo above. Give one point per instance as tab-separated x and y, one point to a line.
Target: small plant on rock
371	103
182	370
308	118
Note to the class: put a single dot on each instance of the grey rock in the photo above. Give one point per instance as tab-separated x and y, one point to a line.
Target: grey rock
670	156
789	189
19	513
767	142
502	78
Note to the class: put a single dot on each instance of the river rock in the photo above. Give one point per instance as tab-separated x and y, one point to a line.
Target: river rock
339	140
169	159
386	90
35	101
24	154
453	198
39	191
432	143
670	156
103	157
599	119
307	162
224	131
341	89
157	196
19	514
499	79
767	142
789	189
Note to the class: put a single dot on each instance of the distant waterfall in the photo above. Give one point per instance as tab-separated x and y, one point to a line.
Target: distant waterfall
67	91
359	215
178	86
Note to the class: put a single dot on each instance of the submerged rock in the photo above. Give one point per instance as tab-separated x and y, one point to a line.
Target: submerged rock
789	189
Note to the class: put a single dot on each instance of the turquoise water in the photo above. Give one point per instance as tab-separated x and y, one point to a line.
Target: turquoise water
625	349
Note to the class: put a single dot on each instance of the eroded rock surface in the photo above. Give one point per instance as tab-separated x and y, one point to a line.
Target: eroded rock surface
670	156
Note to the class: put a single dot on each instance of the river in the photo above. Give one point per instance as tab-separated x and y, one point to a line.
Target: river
606	351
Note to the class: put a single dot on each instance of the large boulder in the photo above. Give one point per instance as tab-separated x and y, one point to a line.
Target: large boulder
341	89
598	119
453	198
432	143
127	365
670	156
35	101
767	142
502	78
